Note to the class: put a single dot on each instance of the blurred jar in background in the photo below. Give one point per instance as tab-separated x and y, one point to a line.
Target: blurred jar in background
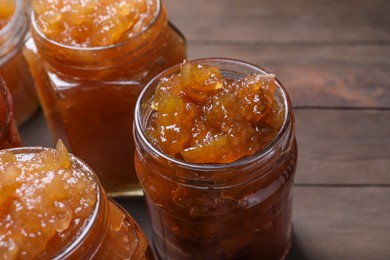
90	66
62	209
13	66
9	135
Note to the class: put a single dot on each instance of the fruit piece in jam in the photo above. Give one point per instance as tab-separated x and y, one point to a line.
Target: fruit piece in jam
7	9
92	23
203	117
44	202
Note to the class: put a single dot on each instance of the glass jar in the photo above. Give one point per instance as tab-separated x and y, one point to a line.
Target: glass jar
13	66
106	231
237	210
9	135
88	94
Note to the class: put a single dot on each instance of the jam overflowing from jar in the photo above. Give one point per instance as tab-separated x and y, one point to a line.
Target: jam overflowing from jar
202	117
91	23
44	201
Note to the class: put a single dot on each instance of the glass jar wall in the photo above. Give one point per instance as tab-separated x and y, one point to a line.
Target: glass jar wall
89	93
13	66
9	135
235	210
62	210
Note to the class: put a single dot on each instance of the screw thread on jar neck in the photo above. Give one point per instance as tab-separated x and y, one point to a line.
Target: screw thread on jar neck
204	175
87	60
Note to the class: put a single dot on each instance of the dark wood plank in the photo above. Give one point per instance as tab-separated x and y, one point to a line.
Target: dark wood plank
318	75
343	147
282	21
35	132
329	223
341	223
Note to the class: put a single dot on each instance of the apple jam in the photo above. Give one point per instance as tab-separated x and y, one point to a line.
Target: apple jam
52	207
13	66
89	77
216	156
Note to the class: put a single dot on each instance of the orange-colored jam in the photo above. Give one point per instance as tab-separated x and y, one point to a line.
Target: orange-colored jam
7	8
44	202
203	117
88	95
225	190
91	23
51	206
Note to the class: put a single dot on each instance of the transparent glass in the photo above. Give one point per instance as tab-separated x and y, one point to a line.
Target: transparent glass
238	210
99	237
13	66
88	94
9	135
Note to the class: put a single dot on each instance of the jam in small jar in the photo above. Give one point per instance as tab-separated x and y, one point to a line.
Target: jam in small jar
52	206
90	61
216	155
9	134
13	67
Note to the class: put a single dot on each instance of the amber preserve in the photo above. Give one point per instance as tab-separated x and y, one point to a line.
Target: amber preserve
216	155
89	77
14	26
52	206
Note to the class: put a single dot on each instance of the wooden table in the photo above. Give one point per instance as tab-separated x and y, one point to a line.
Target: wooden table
334	59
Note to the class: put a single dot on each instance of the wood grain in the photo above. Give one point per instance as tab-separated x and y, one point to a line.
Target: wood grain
282	20
343	147
318	75
341	223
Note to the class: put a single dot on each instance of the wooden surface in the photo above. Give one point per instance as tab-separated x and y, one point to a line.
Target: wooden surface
334	59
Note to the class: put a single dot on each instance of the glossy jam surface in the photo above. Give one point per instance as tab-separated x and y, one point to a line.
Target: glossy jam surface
210	199
91	106
7	8
45	201
91	23
203	117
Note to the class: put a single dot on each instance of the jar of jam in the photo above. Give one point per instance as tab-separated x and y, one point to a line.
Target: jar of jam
216	155
90	62
9	135
53	207
13	67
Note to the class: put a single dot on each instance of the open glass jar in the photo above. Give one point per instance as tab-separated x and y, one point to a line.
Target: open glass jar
62	210
236	210
13	66
88	94
9	135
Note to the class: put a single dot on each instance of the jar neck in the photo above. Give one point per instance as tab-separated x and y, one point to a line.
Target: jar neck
13	34
92	239
216	176
128	55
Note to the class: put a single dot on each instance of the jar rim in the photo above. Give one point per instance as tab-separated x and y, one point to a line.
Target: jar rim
90	221
138	128
42	36
14	17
